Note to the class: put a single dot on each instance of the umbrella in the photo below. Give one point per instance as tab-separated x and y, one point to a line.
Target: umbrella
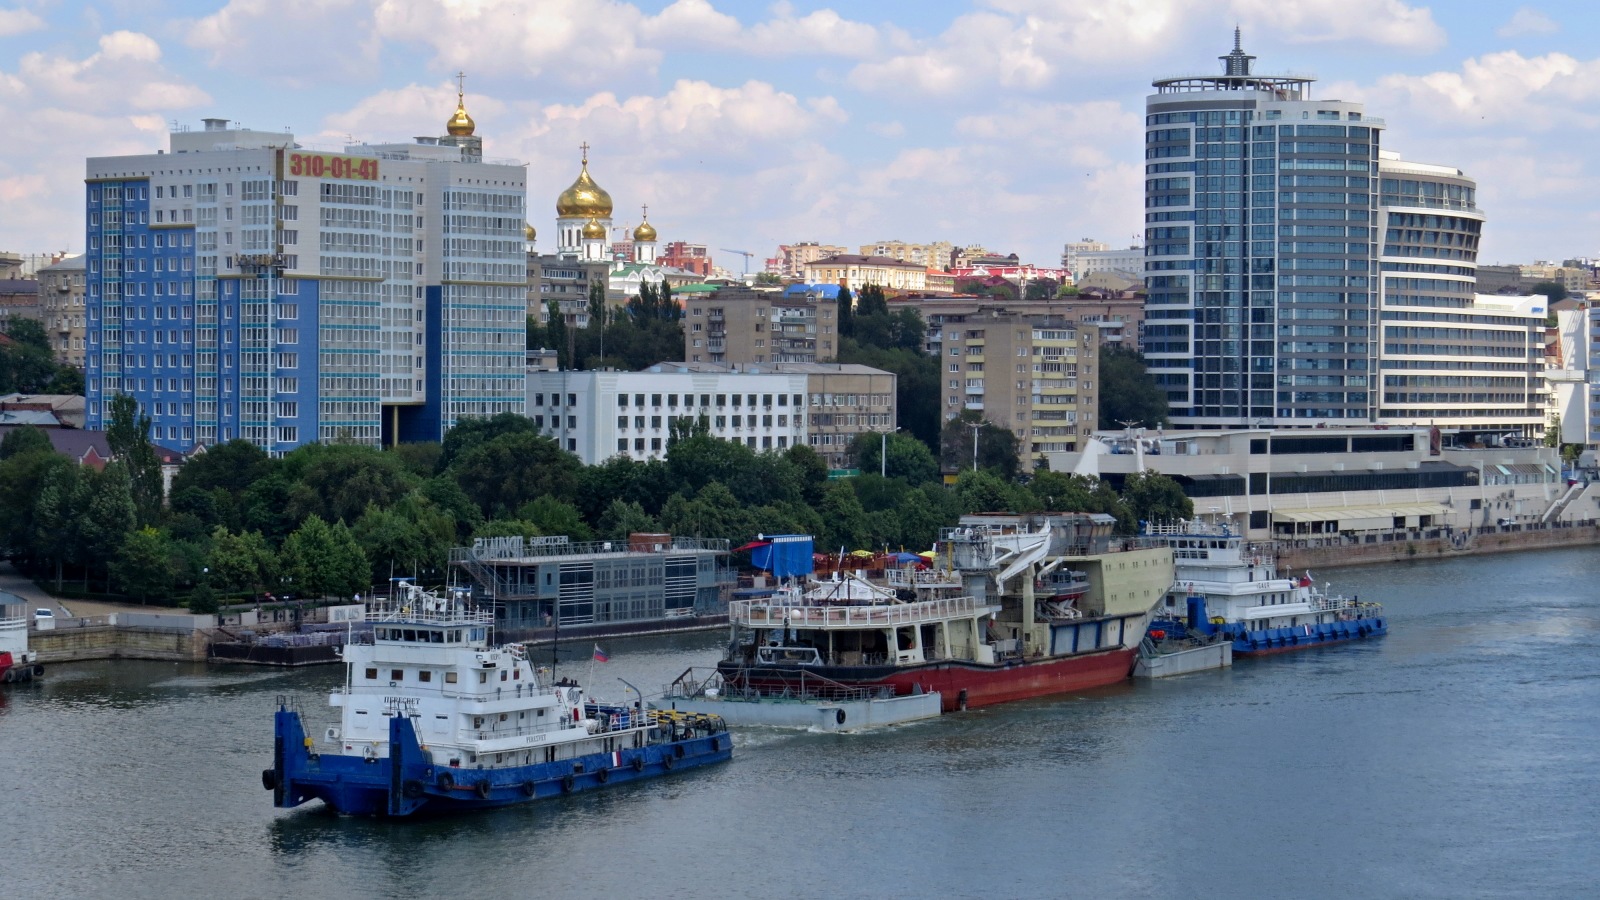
903	557
752	545
862	554
927	554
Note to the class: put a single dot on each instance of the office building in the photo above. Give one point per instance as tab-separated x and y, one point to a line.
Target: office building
241	286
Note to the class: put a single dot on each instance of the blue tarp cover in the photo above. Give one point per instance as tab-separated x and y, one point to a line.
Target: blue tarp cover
788	555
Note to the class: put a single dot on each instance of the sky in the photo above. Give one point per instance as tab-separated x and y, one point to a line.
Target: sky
1015	124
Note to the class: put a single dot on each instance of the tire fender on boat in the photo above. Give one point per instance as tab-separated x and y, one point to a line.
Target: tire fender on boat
528	789
482	789
638	763
838	717
666	761
567	783
446	780
269	779
602	775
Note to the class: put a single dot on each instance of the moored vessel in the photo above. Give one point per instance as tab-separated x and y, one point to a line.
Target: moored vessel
432	718
1230	587
17	662
982	626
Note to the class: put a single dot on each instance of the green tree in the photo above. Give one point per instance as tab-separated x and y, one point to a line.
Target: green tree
1153	497
473	432
846	312
1555	291
996	447
241	563
22	478
340	482
844	520
986	491
512	469
553	516
142	568
1128	392
1042	289
26	439
203	599
58	513
624	517
412	538
324	560
812	470
110	517
1064	492
419	458
28	333
555	334
908	458
128	436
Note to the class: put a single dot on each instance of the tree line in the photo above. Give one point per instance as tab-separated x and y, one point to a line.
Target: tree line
333	519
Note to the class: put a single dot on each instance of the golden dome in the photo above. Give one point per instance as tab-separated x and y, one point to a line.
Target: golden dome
585	199
460	124
594	231
528	234
645	231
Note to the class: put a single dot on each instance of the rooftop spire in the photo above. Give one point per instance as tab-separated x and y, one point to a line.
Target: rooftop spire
1237	63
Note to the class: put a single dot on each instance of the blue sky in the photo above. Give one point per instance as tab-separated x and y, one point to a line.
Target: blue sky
1015	124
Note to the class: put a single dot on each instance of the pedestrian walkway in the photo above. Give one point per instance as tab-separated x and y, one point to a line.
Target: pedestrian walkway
14	582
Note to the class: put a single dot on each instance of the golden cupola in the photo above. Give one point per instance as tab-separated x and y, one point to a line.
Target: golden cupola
585	199
528	233
460	124
645	231
594	231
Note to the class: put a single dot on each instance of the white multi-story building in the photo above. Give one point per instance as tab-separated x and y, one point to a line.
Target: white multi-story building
1072	250
1128	261
240	285
1447	355
598	415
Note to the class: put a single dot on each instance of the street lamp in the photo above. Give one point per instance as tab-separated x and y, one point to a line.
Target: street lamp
975	427
883	452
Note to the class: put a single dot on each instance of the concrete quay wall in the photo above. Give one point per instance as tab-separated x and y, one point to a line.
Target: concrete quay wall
68	644
1352	553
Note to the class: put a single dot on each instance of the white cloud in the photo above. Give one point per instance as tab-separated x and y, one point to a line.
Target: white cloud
18	21
1527	20
1553	91
1390	23
113	101
328	37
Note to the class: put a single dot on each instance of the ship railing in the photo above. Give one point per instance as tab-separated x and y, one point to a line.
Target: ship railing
426	609
804	685
762	613
920	578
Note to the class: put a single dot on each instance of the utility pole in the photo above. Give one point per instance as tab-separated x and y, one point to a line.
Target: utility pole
975	428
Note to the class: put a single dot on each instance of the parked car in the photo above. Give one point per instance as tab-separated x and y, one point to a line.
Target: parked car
43	613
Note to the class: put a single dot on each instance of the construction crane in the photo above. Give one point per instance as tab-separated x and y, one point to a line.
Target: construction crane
744	253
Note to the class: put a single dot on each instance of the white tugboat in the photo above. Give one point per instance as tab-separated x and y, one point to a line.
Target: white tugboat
434	719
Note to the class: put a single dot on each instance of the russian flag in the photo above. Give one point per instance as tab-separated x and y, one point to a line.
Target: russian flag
600	655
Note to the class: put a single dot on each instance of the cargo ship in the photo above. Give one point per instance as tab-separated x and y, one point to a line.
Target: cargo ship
432	718
1230	587
988	621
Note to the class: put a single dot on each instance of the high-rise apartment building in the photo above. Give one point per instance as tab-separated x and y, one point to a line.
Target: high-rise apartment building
1298	275
239	285
61	304
739	325
1032	374
1260	249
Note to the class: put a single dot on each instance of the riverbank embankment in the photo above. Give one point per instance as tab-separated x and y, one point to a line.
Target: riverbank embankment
1394	547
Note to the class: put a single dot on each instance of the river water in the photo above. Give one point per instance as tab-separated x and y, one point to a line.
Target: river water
1457	757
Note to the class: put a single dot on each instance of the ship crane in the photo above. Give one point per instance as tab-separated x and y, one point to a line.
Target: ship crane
744	253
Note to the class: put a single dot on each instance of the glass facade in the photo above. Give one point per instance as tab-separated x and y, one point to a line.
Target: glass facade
1260	249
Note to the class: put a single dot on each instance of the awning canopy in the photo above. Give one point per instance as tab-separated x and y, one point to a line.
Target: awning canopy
1357	518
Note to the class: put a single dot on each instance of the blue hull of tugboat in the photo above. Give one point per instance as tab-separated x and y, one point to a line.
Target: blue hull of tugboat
408	783
1302	637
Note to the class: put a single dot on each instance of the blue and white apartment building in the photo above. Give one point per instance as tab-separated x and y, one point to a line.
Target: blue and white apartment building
240	285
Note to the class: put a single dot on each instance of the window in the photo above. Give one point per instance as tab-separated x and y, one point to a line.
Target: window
397	675
449	678
372	674
424	675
